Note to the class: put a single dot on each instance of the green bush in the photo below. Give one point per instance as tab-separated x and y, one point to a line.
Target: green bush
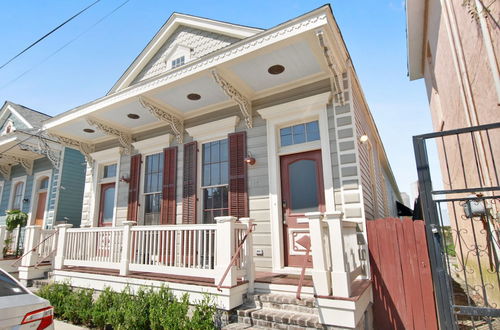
147	309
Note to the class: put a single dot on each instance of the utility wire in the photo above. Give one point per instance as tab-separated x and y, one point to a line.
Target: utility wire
63	46
49	33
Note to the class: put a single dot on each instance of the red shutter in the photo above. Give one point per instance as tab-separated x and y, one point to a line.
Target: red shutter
238	197
168	205
133	187
189	184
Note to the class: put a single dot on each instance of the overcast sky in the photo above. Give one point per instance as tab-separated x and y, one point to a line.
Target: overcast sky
374	31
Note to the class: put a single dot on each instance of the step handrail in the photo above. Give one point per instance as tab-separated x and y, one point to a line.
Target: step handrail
34	248
305	242
250	229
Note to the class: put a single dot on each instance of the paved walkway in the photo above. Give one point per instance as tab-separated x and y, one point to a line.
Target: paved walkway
60	325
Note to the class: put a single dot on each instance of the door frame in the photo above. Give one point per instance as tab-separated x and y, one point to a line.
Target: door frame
282	115
34	197
101	198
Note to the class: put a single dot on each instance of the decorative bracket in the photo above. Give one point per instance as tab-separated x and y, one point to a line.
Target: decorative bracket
176	123
26	163
334	68
85	148
235	95
5	171
43	149
124	138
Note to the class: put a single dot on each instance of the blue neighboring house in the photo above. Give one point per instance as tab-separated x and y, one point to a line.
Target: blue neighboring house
37	174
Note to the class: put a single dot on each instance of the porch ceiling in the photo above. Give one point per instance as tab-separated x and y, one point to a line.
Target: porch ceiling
215	81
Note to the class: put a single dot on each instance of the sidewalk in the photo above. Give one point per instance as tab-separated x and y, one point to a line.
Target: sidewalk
60	325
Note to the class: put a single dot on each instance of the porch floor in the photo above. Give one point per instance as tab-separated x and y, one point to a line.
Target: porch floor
284	279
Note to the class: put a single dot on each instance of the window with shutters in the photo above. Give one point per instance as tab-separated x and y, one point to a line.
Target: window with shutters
152	188
17	201
214	180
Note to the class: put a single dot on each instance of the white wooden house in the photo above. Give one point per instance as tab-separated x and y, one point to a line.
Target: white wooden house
215	127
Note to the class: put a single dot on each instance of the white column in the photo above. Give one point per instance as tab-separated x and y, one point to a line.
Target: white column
61	245
320	272
341	283
249	264
126	246
225	249
3	236
31	240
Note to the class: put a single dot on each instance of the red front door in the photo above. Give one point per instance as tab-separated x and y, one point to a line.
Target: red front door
301	192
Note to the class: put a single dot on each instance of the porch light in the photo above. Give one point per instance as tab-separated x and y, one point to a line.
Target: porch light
125	179
249	160
88	130
194	97
276	69
363	138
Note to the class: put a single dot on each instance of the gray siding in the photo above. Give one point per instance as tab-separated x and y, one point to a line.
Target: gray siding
69	206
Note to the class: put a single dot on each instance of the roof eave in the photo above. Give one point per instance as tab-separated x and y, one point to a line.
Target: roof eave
415	18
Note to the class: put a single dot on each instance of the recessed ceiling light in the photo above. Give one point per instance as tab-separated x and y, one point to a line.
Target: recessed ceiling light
276	69
133	116
88	130
194	97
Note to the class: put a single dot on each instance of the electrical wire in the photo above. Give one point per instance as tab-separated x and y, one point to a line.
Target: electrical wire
49	33
63	46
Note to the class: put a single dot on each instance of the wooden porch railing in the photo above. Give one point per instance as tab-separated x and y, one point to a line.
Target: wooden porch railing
202	250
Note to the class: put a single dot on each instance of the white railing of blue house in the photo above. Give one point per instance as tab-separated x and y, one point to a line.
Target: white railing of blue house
199	250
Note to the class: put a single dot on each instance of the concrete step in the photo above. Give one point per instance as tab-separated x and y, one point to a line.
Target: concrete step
240	326
285	302
281	319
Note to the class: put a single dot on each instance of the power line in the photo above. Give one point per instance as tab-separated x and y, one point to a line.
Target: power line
63	46
49	33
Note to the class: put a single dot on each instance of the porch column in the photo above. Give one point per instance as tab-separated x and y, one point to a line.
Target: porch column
249	264
320	272
31	240
61	245
341	284
224	251
3	236
126	248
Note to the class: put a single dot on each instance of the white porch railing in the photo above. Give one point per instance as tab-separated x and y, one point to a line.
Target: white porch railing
203	250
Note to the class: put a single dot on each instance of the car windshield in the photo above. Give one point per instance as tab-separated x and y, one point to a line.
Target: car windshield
9	287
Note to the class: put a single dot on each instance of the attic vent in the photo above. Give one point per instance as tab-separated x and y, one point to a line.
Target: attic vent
178	62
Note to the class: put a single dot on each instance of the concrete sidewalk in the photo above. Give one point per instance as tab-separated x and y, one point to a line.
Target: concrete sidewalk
60	325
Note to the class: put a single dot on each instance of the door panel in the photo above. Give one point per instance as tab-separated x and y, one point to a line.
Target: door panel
301	192
107	204
40	208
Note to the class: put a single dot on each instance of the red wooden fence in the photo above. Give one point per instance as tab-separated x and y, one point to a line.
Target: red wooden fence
402	284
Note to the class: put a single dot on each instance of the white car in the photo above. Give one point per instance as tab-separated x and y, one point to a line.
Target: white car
21	309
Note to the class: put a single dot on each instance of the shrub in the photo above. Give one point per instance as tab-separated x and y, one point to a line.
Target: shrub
104	304
136	311
176	317
158	302
56	293
78	307
203	315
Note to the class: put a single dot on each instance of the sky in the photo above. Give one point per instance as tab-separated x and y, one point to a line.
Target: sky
96	55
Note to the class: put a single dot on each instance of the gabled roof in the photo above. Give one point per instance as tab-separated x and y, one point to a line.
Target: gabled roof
30	118
167	30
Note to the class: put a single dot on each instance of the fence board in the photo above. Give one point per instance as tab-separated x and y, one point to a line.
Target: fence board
402	283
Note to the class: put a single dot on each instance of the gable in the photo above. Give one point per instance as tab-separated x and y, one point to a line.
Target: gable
186	41
10	124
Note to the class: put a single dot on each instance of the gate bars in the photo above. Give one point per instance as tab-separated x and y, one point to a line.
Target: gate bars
463	225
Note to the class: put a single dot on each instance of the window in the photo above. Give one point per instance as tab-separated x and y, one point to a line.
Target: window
178	62
153	178
300	133
44	184
109	171
18	196
215	173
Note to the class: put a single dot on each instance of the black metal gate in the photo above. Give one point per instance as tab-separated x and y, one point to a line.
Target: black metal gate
463	225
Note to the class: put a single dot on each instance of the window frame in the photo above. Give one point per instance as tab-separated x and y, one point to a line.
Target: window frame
15	181
142	194
34	195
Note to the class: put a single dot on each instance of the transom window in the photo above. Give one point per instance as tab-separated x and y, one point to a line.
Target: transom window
109	171
215	173
178	62
18	196
153	178
44	184
300	133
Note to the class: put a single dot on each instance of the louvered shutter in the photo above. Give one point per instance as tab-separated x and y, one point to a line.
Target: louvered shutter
168	204
238	197
133	188
189	184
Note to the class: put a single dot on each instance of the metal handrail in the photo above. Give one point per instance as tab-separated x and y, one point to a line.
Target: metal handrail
305	242
236	254
34	248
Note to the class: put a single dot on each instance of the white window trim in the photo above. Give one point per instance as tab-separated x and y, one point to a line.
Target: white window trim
13	186
205	133
2	185
148	147
282	115
102	158
34	197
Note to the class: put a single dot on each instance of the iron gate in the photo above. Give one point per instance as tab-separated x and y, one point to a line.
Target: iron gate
463	225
